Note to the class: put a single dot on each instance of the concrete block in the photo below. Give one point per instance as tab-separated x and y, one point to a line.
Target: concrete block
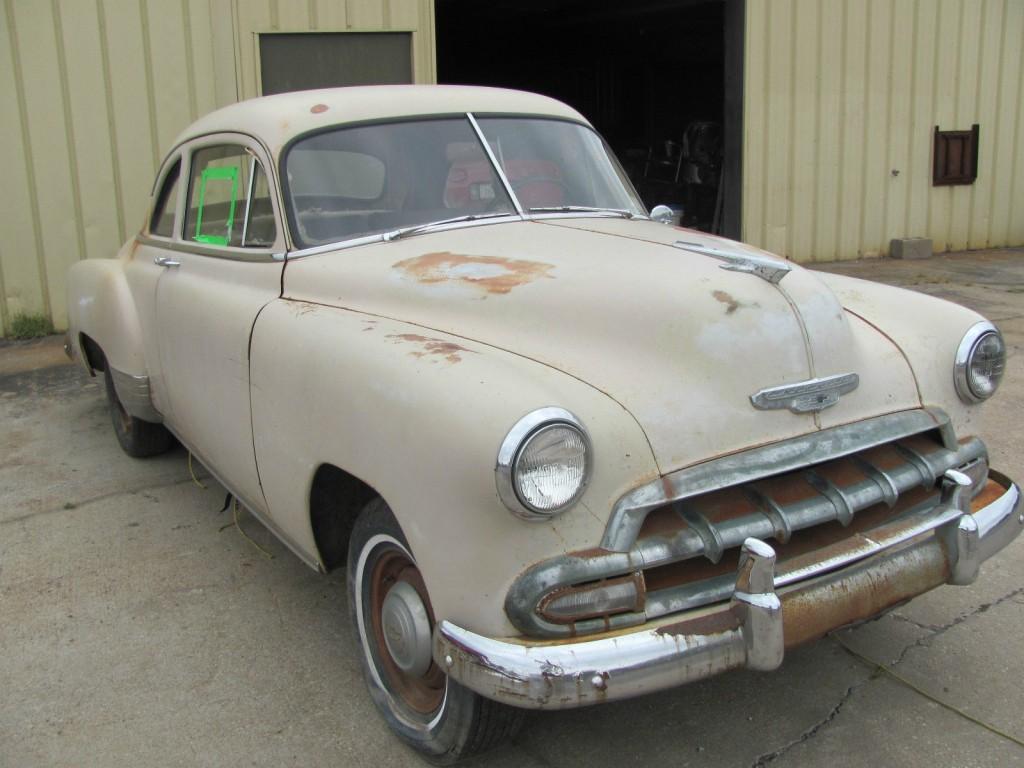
910	248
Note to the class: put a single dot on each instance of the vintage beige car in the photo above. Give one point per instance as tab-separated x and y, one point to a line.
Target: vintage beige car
568	453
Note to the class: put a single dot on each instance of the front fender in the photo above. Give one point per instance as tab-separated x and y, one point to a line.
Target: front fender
927	330
419	416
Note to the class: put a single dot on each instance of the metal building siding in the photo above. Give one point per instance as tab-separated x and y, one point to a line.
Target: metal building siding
839	93
95	92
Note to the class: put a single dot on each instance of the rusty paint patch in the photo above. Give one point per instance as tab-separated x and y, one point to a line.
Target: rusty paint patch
431	347
317	109
861	592
731	305
709	624
492	274
589	554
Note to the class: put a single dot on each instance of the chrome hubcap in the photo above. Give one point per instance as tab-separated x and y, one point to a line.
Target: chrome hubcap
406	628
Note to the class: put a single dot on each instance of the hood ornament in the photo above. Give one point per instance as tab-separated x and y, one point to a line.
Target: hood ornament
765	267
806	396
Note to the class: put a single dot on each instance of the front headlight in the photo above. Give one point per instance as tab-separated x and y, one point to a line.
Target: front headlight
980	361
543	464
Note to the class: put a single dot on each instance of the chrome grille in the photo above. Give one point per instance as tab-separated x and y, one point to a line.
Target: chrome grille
813	495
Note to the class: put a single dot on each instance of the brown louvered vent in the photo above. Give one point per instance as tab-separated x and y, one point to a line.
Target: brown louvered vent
955	159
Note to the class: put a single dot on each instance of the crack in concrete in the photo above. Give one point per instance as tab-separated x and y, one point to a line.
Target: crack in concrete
75	505
915	623
938	630
935	630
810	733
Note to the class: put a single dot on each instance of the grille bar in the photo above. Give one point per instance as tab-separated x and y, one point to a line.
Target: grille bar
631	510
694	595
834	503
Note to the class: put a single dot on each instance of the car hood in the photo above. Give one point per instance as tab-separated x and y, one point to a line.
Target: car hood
678	341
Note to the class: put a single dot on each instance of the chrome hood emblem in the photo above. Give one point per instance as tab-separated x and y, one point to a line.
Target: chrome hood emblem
765	267
806	396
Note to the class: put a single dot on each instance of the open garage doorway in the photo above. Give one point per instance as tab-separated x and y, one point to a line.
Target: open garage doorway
661	80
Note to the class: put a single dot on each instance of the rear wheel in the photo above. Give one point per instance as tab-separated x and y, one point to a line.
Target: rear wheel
393	619
137	437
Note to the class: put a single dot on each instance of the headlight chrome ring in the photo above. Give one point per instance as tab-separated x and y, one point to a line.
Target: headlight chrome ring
980	339
535	425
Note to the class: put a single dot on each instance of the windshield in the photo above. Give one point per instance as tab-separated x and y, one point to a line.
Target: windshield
554	164
379	179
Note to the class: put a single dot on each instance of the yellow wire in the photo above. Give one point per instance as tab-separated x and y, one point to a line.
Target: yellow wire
241	530
899	678
192	472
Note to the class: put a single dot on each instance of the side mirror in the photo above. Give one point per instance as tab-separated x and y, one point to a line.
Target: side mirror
665	214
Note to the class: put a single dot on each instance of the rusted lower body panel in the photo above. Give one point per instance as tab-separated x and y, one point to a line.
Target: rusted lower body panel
862	591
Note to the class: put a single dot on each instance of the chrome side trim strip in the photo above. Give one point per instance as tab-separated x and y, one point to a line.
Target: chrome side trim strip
632	509
134	394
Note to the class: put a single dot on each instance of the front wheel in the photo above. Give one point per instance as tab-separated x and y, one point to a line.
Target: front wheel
393	619
137	437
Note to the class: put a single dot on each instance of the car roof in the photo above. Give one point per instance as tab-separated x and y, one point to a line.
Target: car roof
277	119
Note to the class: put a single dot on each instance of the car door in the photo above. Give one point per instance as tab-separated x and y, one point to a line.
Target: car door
142	272
225	267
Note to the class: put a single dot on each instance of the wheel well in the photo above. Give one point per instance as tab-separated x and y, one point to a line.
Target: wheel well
335	501
93	354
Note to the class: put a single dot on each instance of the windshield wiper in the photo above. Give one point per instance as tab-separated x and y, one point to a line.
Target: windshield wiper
399	233
583	209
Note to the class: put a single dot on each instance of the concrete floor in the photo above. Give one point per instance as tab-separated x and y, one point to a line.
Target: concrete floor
135	632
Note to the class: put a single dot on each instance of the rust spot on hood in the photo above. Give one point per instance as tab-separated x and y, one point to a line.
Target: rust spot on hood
431	347
490	273
317	109
731	305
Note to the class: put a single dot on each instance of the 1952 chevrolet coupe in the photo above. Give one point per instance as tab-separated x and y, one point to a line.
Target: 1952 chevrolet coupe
569	454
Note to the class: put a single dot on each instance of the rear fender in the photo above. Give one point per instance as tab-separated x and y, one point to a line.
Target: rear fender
101	309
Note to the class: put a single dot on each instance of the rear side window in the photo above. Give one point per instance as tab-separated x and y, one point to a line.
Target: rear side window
162	222
229	199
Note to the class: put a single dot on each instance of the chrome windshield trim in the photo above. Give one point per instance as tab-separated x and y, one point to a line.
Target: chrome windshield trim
496	165
381	237
431	226
631	509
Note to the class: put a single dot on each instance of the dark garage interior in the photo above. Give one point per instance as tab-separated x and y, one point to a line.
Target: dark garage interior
661	81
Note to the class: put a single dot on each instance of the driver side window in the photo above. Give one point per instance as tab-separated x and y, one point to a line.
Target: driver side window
229	199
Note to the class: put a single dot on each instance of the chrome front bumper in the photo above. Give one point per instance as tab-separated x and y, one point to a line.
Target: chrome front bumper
766	614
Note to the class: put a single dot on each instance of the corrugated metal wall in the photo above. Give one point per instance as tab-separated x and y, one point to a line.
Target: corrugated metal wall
95	91
841	95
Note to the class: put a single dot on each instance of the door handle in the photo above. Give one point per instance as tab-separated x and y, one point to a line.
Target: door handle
165	261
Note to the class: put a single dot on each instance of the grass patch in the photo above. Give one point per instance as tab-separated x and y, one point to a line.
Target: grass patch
29	326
